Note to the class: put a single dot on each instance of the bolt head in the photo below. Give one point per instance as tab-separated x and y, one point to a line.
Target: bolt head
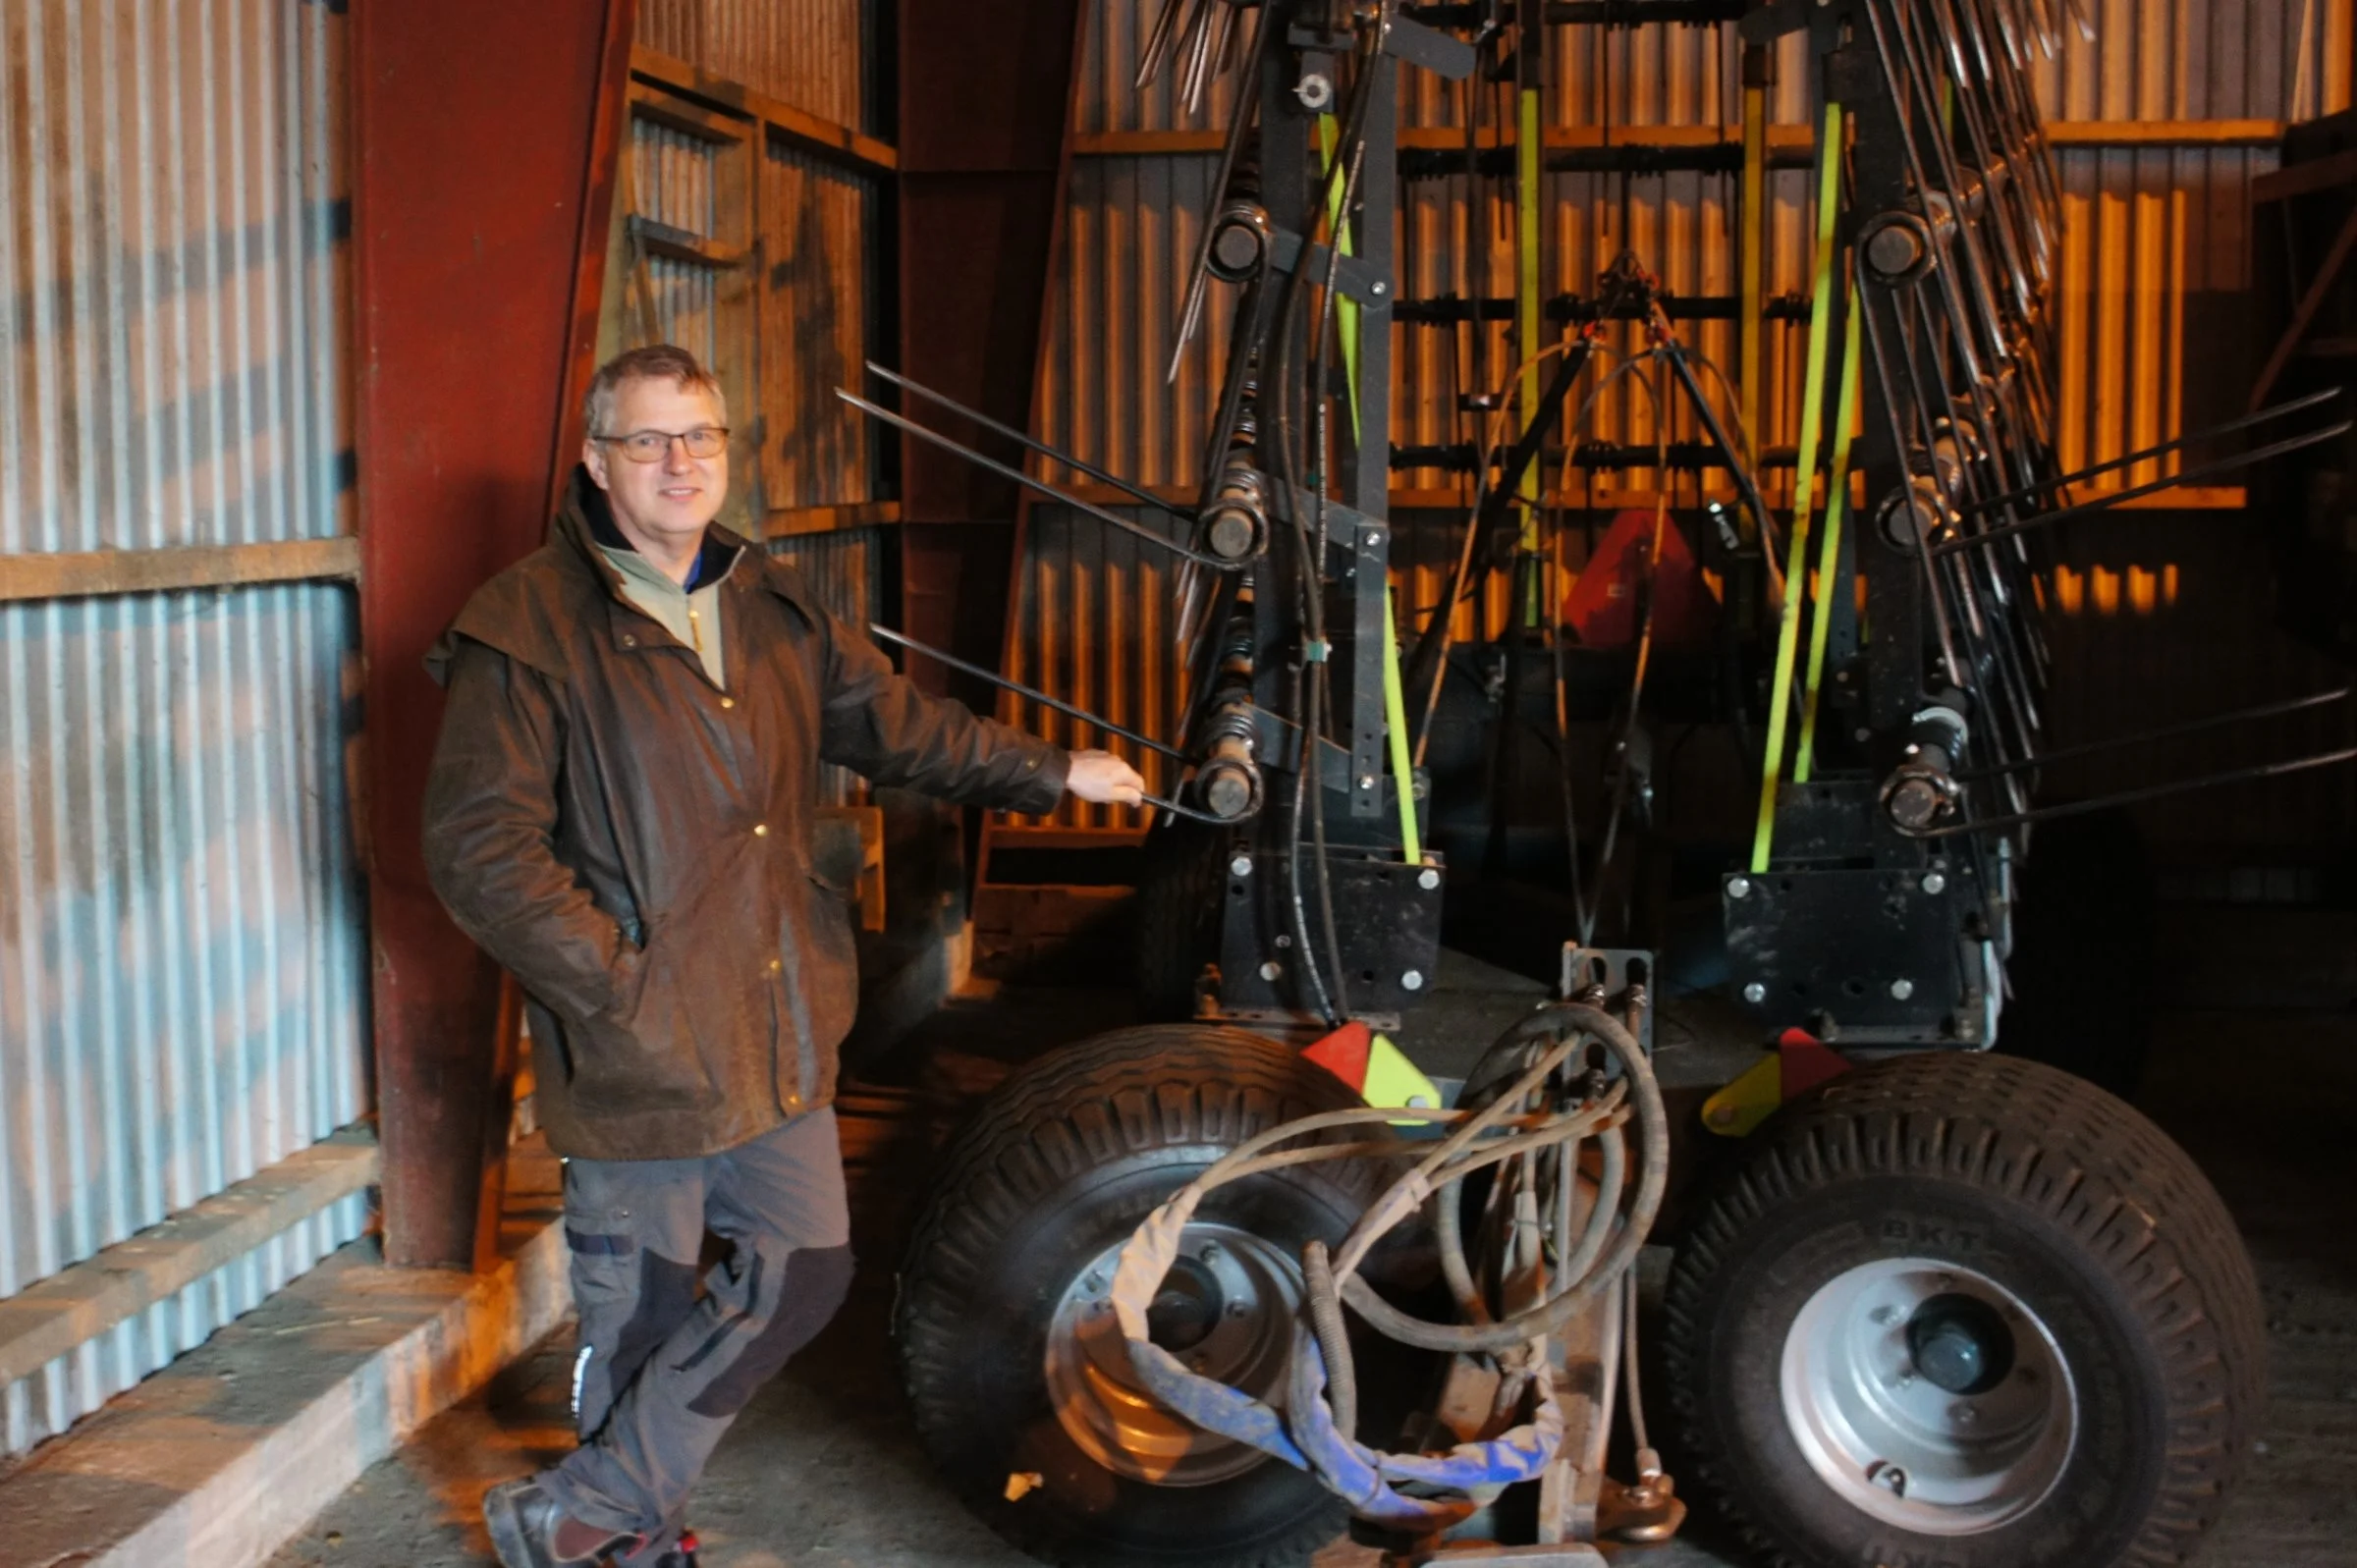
1428	879
1893	249
1934	883
1413	980
1270	970
1240	866
1738	886
1901	989
1755	992
1366	780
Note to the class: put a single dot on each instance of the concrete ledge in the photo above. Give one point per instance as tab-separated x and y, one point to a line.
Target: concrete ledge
220	1457
75	1305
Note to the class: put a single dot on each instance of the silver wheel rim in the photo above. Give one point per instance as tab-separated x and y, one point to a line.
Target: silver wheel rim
1874	1393
1227	1308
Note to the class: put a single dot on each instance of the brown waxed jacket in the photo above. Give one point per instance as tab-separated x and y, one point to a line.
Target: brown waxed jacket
634	842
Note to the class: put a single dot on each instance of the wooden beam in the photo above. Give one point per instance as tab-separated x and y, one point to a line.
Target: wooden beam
797	126
97	572
788	522
1782	138
1144	143
680	245
2305	179
75	1305
2120	133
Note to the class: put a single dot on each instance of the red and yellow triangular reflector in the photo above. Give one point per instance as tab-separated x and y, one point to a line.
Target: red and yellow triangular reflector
1377	1071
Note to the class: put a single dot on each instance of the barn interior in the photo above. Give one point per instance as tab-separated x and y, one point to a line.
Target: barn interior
1810	546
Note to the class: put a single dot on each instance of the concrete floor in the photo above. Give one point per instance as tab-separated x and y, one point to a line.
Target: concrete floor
823	1470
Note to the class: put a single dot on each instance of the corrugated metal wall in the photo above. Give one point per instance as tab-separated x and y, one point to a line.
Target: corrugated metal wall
2151	332
812	54
807	224
672	180
843	568
818	257
182	965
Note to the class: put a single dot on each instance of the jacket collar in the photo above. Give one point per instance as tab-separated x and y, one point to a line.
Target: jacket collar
584	523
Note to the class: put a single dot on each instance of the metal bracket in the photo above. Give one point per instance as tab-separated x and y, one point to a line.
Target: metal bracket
1357	278
1626	976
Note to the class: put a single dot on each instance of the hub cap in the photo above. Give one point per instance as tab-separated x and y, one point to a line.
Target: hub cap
1225	1309
1928	1396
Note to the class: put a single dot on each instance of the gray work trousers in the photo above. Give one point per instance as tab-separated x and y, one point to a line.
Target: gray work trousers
660	1372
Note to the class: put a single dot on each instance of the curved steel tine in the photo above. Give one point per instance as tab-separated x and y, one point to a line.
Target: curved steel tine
1991	535
2127	797
1102	477
2108	466
1032	694
1027	481
2190	727
1150	59
1197	49
1199	273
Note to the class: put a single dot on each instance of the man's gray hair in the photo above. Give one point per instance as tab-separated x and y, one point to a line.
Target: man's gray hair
659	361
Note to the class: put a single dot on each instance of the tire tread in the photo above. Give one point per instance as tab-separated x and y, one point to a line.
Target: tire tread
1129	1091
2071	1153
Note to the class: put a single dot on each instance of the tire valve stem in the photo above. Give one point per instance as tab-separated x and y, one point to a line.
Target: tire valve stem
1888	1476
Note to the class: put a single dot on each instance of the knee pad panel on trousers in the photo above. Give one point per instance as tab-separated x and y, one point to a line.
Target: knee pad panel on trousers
811	1288
665	1296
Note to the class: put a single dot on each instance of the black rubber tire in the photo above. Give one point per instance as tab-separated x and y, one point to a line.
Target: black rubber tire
1180	890
2086	965
1062	1163
2035	1178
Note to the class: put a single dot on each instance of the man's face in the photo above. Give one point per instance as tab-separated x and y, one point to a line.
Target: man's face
672	499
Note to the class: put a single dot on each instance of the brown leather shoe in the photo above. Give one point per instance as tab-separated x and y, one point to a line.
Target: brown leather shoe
530	1531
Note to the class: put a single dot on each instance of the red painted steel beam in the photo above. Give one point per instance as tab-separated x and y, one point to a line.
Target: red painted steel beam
985	98
484	154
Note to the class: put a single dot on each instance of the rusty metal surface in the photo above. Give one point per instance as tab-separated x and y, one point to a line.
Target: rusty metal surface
841	569
481	189
182	974
790	50
820	300
1094	620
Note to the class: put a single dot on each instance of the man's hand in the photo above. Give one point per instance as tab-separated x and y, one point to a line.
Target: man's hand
1103	778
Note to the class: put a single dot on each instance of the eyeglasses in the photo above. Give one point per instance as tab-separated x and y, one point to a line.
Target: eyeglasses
653	446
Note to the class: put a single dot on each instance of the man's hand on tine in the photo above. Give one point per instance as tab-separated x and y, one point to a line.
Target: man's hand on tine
1104	779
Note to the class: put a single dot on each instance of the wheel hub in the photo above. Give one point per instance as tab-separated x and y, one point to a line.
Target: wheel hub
1227	1308
1928	1396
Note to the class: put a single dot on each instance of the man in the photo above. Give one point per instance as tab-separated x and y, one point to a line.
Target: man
619	813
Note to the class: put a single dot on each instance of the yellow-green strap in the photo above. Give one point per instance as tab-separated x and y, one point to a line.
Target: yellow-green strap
1812	414
1529	180
1830	593
1395	720
1345	309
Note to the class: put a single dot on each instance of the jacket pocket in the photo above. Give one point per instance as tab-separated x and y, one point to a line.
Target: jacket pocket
829	978
641	1053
